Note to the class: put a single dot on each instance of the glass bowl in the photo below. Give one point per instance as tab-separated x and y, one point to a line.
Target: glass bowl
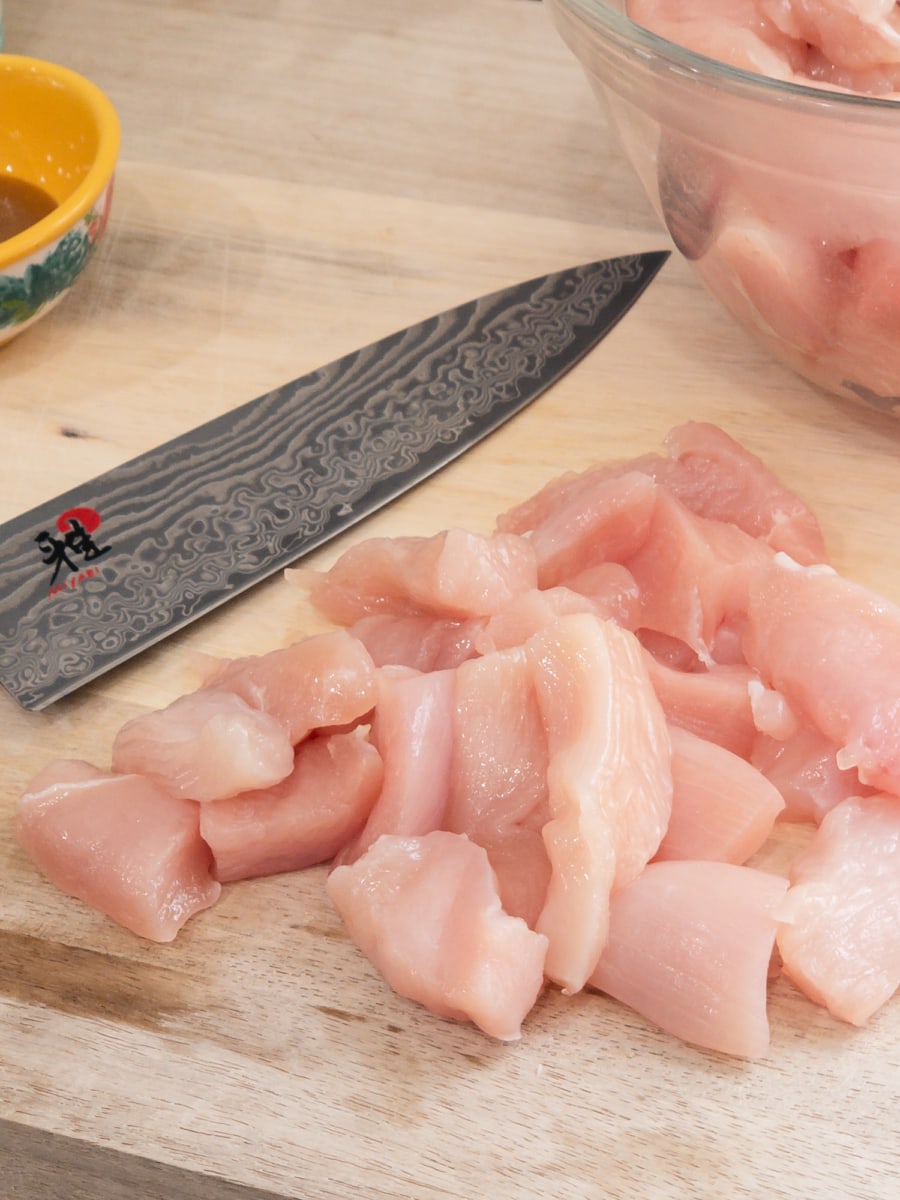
785	198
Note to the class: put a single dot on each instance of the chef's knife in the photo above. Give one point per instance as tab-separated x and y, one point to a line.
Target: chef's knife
108	568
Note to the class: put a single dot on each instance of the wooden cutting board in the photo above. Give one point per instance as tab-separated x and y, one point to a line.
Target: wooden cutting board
296	180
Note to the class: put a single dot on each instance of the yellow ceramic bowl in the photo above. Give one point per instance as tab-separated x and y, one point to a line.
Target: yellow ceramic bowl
59	133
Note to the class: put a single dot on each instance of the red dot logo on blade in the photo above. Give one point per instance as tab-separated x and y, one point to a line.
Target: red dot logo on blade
88	518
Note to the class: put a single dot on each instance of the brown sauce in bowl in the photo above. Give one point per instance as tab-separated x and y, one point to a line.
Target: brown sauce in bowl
21	205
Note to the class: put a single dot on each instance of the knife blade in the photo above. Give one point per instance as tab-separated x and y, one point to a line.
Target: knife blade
111	567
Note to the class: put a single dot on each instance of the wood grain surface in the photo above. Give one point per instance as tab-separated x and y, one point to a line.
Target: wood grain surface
298	178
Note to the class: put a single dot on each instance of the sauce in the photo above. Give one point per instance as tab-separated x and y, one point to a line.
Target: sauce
21	205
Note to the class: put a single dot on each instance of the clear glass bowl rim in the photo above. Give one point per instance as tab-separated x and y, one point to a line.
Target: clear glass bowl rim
639	42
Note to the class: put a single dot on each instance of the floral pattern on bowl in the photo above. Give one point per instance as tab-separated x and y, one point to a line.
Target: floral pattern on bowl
39	282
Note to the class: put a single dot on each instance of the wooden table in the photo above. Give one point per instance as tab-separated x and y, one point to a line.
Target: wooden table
298	178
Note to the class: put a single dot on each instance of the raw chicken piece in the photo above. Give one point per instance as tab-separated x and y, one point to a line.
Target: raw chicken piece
714	703
454	574
609	780
880	79
119	843
717	478
689	949
669	651
804	769
325	680
772	715
847	45
849	33
498	783
840	932
204	746
850	43
301	821
726	648
832	647
528	613
500	756
867	342
413	732
612	589
563	491
426	912
704	468
734	31
419	641
785	190
606	522
784	282
876	277
520	862
723	809
693	574
607	590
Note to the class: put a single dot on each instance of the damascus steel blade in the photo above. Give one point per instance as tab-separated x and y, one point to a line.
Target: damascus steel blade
111	567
